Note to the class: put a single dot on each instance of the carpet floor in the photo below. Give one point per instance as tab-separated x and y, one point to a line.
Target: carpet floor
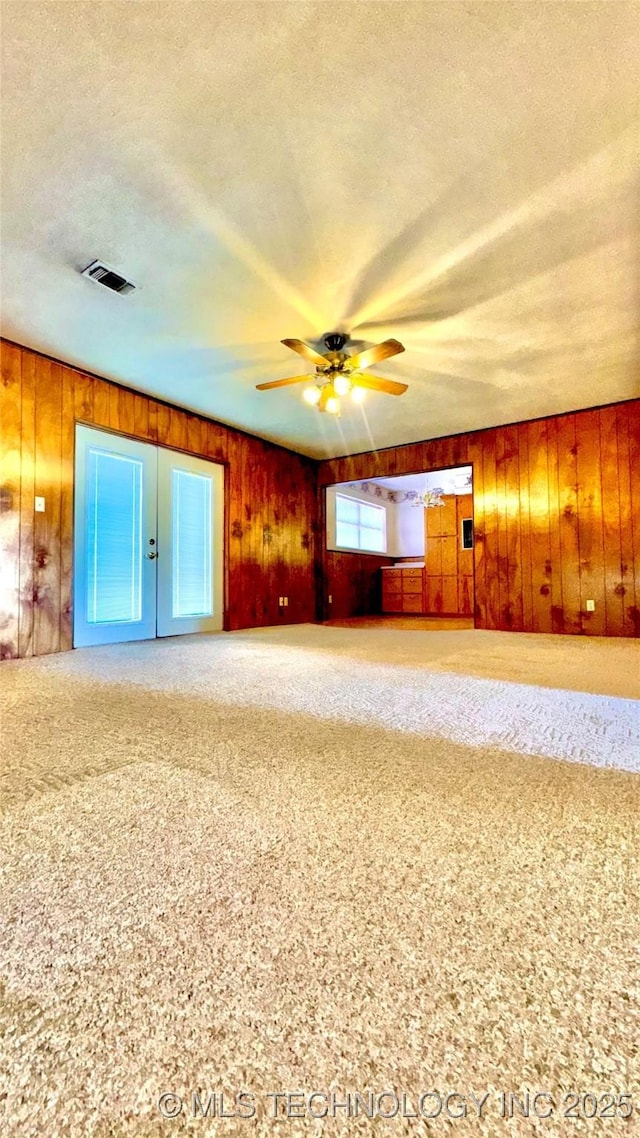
321	863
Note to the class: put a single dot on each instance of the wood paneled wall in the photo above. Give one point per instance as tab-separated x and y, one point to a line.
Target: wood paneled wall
557	518
557	512
356	584
270	492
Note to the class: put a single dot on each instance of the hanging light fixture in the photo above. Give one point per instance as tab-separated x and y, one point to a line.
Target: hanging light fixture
429	498
326	396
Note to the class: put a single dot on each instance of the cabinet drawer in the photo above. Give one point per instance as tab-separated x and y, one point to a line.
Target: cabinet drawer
391	575
412	587
411	575
391	586
411	602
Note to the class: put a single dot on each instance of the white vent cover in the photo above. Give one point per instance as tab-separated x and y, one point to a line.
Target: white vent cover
103	274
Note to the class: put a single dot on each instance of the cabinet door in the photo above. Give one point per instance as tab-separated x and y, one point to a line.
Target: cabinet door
450	594
449	551
448	516
465	593
391	590
433	594
392	602
433	556
432	522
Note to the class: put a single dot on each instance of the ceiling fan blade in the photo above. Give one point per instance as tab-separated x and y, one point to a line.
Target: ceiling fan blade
374	355
283	382
304	350
375	383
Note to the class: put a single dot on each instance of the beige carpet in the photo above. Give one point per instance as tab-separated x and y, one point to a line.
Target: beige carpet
320	860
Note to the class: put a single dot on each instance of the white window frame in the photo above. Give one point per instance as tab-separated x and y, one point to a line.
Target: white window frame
371	505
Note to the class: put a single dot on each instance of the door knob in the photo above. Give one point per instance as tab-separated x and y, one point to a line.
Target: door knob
151	556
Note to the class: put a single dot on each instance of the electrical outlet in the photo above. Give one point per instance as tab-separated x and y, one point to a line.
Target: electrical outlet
590	606
330	599
279	602
39	505
286	601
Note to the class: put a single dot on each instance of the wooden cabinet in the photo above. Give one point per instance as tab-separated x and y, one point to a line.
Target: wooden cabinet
445	585
441	595
448	585
403	590
391	590
441	521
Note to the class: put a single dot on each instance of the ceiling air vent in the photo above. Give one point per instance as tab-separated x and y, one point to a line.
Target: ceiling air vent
100	273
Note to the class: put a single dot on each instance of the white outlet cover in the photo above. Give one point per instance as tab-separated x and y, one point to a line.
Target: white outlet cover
39	505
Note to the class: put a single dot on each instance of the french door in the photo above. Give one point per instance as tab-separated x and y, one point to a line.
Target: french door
148	541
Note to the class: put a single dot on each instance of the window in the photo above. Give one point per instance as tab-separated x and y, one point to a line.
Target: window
113	548
360	526
191	546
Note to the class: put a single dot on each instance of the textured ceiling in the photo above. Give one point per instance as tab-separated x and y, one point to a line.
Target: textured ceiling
462	176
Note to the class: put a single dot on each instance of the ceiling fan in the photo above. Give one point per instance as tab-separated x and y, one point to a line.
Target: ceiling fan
338	373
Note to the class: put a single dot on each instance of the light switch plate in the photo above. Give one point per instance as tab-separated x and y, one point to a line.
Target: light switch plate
39	505
590	606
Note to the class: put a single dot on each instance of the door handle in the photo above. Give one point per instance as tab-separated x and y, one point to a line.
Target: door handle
151	556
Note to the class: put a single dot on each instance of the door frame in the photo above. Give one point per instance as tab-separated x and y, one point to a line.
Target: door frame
226	528
323	609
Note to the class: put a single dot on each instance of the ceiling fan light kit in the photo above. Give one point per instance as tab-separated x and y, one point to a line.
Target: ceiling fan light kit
342	385
339	374
311	395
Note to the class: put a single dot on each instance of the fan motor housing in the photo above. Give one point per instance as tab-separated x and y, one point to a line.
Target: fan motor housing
335	341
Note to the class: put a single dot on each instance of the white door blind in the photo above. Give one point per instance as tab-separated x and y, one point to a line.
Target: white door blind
191	545
114	538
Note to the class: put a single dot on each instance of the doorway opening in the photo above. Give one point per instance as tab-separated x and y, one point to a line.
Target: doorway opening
413	534
148	541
